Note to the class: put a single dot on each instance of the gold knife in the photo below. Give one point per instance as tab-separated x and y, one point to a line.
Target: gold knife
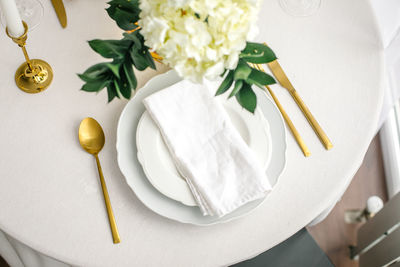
285	116
60	11
280	75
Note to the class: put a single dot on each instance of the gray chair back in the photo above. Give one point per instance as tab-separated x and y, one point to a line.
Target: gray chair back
378	240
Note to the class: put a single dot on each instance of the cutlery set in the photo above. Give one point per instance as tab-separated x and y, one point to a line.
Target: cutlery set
283	80
288	121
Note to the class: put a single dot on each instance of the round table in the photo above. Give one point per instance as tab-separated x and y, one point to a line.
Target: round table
50	197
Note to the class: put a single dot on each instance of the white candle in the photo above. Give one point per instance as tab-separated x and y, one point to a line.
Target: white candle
13	19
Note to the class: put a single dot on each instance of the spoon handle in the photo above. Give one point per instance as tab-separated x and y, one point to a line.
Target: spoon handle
111	218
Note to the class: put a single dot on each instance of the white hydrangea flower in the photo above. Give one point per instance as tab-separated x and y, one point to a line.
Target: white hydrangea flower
198	38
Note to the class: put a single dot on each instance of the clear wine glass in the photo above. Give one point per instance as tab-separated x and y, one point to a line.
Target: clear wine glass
300	8
31	11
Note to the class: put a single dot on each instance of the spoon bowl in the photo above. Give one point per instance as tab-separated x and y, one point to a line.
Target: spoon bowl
91	136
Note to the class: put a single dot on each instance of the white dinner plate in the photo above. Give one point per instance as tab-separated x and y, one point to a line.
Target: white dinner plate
148	194
159	167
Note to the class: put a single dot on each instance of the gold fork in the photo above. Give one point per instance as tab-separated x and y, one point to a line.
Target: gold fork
288	121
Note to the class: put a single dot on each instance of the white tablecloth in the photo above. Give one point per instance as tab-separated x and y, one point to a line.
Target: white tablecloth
49	194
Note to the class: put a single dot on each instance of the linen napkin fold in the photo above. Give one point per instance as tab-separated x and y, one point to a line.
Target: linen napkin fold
220	169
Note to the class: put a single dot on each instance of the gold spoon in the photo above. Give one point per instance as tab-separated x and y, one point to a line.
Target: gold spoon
91	138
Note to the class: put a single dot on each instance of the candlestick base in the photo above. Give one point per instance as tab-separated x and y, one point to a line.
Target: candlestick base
35	80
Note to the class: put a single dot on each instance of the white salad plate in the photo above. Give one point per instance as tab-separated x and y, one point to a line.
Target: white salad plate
136	130
159	167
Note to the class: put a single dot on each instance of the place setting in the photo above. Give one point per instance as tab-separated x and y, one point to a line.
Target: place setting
198	159
203	143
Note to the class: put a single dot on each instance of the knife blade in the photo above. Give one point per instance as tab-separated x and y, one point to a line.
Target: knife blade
283	80
60	11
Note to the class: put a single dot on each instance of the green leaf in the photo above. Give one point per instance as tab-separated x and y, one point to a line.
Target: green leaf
150	60
129	74
124	87
95	86
110	48
125	20
259	78
111	92
139	53
124	84
226	83
236	88
242	71
125	13
223	73
139	60
257	53
117	88
247	98
137	39
114	67
94	72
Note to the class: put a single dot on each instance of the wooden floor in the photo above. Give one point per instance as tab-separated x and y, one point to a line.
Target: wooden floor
333	235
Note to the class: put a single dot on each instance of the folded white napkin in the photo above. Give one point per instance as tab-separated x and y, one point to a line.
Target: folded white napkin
221	170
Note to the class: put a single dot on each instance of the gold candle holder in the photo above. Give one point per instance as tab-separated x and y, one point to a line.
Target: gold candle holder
34	75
